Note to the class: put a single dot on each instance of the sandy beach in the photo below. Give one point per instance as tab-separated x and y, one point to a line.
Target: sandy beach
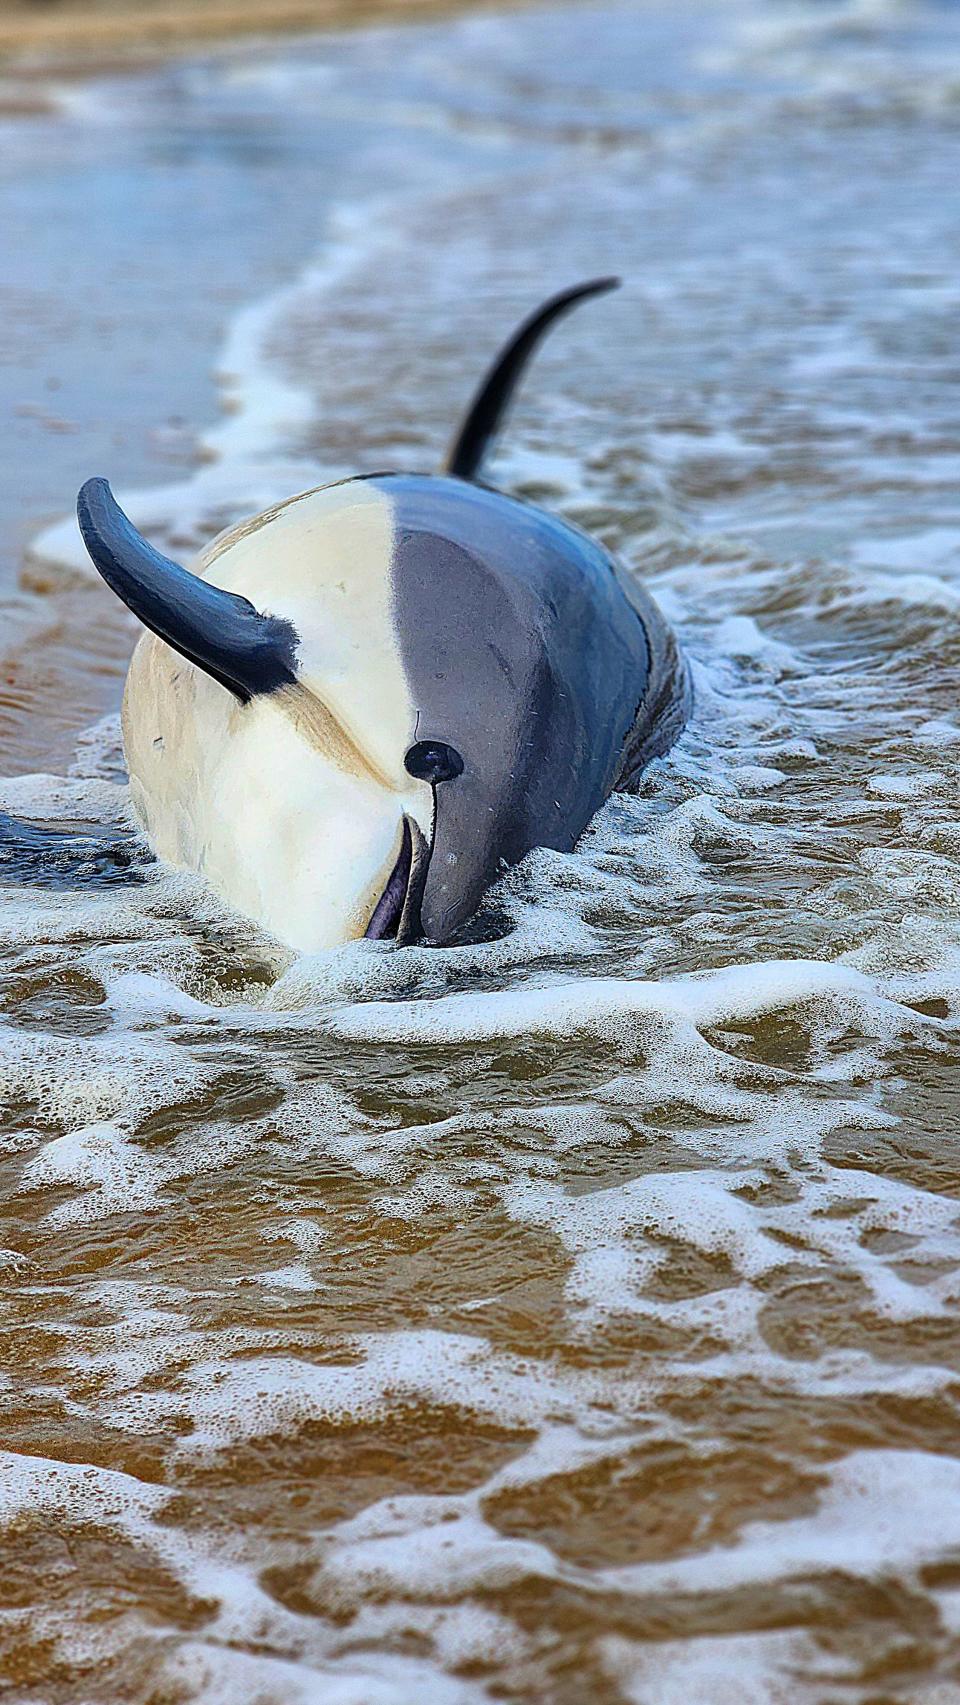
77	36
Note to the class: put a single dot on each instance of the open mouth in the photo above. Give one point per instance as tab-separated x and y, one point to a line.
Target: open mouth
396	916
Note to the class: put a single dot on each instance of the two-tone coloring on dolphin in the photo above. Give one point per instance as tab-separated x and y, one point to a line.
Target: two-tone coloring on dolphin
368	701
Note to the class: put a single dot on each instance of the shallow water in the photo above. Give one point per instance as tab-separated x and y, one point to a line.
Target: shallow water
573	1314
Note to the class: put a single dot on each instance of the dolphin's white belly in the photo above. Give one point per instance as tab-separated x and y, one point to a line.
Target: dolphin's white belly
292	805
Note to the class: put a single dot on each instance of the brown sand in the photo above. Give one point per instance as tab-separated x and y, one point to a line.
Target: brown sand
85	33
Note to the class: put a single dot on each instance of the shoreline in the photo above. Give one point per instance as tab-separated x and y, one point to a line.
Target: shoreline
84	39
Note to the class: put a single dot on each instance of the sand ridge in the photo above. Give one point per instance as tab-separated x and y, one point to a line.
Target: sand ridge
93	34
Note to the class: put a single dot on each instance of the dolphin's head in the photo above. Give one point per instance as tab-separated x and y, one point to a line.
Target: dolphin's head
527	665
370	699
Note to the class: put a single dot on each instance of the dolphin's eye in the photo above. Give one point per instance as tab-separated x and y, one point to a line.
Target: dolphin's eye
433	761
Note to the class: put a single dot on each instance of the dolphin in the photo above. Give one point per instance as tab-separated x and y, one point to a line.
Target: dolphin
366	702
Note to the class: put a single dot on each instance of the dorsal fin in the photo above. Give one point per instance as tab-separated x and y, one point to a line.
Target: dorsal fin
486	412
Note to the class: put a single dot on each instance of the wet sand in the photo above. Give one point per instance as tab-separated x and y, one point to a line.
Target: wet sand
72	37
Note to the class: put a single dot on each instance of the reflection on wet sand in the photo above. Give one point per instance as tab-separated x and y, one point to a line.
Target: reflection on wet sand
59	675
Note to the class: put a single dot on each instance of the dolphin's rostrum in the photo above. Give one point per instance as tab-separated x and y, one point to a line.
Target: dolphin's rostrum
371	699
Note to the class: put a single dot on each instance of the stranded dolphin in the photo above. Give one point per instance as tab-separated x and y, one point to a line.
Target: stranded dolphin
369	700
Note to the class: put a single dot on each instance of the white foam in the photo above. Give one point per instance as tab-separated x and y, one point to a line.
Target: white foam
51	798
257	1397
91	1079
97	1157
880	1512
31	1483
730	1669
910	786
598	1004
213	1675
739	636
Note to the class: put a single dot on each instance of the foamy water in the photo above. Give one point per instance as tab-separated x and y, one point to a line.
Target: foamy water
573	1313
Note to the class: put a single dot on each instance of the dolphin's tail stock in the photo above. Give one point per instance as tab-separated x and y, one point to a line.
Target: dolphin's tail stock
85	855
486	412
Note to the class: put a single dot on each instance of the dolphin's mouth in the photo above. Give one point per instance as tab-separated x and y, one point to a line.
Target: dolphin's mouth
396	915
